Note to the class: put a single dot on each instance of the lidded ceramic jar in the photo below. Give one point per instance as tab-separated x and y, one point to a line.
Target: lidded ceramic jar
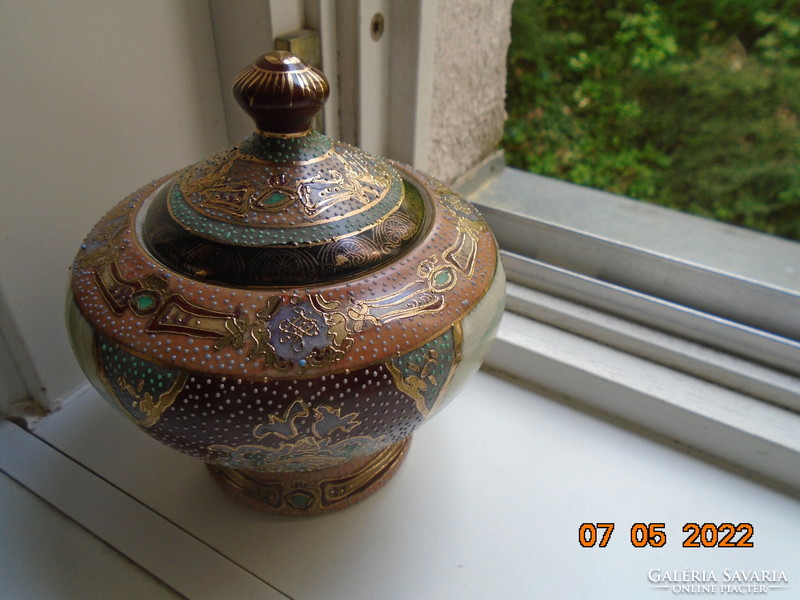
290	309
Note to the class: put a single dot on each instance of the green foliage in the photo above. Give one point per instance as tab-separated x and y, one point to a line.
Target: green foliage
692	104
779	43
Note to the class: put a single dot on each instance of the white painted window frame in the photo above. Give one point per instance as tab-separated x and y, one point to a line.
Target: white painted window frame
380	88
680	326
731	290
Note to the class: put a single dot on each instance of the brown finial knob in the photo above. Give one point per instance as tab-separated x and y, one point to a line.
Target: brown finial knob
281	92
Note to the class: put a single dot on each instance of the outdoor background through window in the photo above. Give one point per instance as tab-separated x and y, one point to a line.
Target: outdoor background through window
691	104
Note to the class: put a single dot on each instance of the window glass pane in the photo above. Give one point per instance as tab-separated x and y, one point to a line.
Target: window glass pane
691	104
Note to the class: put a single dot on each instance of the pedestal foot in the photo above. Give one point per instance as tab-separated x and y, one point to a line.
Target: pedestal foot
300	493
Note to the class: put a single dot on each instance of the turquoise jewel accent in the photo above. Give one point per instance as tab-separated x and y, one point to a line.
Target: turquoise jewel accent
299	499
274	198
144	301
443	278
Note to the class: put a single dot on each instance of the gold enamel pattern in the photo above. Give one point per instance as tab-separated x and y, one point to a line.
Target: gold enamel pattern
386	313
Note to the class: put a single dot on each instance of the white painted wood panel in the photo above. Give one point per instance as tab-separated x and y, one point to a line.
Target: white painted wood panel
12	387
99	98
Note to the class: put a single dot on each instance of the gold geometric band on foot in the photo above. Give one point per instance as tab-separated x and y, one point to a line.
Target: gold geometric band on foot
312	492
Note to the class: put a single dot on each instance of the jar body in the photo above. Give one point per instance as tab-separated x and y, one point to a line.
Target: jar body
285	382
289	309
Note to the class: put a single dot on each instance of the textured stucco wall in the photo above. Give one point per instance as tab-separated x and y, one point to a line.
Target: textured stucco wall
472	38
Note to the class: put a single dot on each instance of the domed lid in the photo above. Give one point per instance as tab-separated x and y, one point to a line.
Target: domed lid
287	205
288	255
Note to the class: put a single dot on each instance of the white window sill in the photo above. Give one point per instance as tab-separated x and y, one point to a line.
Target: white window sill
44	555
487	505
743	432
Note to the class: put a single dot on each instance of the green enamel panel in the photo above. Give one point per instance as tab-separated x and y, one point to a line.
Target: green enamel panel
286	150
427	369
138	385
